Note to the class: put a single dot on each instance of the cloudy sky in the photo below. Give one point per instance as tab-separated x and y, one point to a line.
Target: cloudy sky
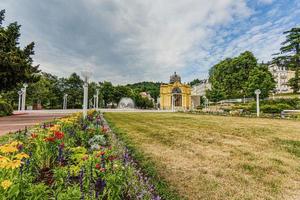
126	41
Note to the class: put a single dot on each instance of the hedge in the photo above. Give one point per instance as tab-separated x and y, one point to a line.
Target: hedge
5	109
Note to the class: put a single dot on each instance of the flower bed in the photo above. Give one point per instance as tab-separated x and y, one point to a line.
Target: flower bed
70	158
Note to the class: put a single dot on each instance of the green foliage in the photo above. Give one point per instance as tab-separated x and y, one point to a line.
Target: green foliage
15	62
142	102
275	108
5	109
153	88
121	91
194	82
73	86
236	77
271	106
259	78
107	92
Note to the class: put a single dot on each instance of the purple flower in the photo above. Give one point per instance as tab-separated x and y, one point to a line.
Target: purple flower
81	183
99	186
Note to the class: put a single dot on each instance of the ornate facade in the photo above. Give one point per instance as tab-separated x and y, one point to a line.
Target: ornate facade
281	76
175	95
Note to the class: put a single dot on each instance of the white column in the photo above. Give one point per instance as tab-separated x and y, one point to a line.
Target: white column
257	105
20	100
97	99
25	85
23	99
257	92
85	98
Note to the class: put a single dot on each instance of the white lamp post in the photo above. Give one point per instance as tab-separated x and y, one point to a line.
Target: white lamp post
20	93
86	75
25	85
97	99
65	104
257	92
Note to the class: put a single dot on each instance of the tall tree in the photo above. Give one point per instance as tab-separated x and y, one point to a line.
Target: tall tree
16	63
230	78
259	78
107	92
289	56
73	86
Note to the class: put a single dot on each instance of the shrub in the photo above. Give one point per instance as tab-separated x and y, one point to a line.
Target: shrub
5	109
275	108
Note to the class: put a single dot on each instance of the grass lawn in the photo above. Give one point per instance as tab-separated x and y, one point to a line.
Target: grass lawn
214	157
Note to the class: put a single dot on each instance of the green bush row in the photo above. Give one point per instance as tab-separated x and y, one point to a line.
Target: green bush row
271	106
5	109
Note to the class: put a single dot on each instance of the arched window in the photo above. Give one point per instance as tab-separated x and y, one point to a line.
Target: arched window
176	90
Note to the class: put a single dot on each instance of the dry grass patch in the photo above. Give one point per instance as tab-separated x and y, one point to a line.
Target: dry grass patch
214	157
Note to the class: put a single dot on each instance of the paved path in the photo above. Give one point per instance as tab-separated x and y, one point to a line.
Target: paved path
20	120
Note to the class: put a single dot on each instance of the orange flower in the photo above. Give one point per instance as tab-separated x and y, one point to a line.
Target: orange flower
49	139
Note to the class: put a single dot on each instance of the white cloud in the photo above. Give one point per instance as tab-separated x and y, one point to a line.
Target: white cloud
125	41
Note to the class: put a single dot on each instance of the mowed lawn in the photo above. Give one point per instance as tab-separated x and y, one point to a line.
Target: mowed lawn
214	157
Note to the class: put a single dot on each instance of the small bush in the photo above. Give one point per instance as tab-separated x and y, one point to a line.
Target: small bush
5	109
275	108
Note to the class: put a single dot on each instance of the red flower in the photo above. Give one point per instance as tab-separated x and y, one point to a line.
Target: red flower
50	139
33	135
59	135
98	166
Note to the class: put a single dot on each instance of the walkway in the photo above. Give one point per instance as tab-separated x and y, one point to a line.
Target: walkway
22	120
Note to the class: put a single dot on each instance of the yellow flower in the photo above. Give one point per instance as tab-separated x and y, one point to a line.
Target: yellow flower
6	184
15	143
14	164
8	149
4	162
54	128
22	155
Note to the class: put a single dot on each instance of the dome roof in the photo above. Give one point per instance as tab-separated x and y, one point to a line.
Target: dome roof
175	78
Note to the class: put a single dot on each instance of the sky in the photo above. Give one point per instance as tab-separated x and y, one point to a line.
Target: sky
127	41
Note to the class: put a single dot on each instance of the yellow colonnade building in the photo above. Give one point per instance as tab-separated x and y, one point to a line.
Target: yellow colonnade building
175	95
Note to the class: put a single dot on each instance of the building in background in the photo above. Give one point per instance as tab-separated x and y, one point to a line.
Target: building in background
175	95
198	91
281	76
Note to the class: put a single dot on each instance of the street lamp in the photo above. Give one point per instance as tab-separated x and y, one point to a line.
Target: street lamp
25	85
257	92
20	93
86	75
97	99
